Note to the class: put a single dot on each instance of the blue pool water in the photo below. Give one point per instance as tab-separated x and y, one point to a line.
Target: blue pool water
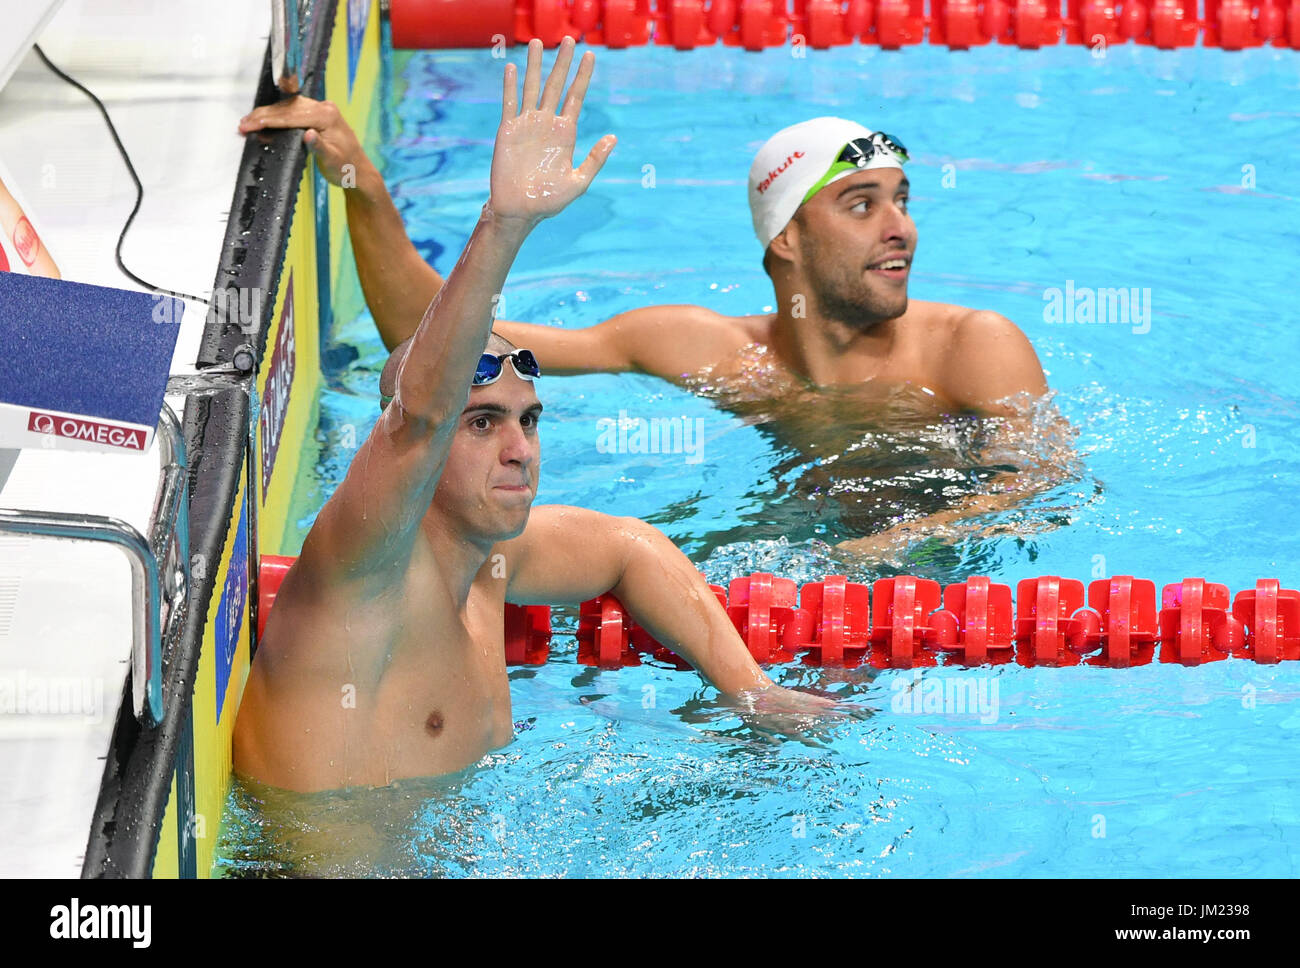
1032	170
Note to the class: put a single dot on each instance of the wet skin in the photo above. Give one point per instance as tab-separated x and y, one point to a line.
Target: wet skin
383	658
402	677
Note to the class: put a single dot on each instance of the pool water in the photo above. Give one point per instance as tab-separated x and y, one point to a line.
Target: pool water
1174	173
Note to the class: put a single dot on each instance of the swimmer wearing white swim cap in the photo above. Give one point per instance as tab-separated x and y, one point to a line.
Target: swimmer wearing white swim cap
825	176
792	167
828	200
829	205
383	657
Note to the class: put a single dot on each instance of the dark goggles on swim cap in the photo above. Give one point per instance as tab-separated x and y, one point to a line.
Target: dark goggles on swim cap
858	154
859	151
490	368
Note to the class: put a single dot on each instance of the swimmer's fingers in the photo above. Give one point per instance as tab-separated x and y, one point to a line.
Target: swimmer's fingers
295	112
509	95
559	74
596	159
326	133
532	75
332	159
578	89
315	143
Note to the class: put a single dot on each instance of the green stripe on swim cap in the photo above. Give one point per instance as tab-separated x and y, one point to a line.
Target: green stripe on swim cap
792	162
882	150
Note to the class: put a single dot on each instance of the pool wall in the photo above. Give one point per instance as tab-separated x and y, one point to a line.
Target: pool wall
163	789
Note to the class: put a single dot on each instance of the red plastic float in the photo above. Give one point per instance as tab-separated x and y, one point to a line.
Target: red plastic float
605	634
528	634
1129	622
1196	625
824	23
1171	23
1230	24
967	23
899	23
900	622
1271	615
838	621
1032	23
758	24
761	607
424	24
1093	23
976	622
1052	626
270	575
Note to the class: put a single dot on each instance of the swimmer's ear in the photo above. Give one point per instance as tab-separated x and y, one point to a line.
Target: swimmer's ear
782	247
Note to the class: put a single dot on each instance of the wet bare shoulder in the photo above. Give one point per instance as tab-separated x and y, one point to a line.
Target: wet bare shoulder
935	322
756	328
676	342
988	359
717	336
732	341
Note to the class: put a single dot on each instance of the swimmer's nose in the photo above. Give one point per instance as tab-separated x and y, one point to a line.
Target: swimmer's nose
517	448
898	225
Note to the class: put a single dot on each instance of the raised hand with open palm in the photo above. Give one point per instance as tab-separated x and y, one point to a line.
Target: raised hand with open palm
533	176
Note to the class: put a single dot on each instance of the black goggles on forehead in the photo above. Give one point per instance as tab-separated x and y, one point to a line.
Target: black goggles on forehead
859	151
856	154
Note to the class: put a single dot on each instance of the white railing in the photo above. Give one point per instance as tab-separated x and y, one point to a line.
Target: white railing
160	564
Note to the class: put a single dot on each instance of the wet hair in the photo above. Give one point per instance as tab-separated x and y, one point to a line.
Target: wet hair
499	344
388	378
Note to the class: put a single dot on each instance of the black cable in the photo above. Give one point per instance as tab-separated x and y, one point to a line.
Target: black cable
139	188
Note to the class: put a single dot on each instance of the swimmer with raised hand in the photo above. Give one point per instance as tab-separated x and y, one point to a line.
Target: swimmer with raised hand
384	655
829	203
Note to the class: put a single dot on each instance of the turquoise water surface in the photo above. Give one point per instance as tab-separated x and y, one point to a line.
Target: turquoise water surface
1173	172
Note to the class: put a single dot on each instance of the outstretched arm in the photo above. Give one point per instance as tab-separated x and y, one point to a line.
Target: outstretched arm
370	523
670	342
398	284
570	555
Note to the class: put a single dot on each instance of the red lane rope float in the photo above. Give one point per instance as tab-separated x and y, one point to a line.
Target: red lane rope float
527	627
906	622
891	24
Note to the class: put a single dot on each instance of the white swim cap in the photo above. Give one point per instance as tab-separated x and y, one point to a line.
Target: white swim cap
793	160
